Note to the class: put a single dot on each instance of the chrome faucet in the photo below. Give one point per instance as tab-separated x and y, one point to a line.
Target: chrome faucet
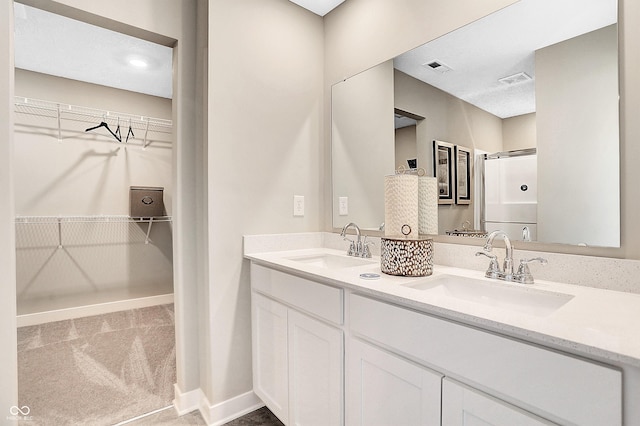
507	267
358	248
523	275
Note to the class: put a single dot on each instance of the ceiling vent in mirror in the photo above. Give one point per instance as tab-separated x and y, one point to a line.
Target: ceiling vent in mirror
520	77
437	66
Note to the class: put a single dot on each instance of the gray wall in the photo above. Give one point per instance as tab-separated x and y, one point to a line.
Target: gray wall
362	144
519	132
406	145
265	145
578	135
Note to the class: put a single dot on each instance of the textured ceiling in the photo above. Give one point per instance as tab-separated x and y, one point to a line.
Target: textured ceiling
52	44
503	44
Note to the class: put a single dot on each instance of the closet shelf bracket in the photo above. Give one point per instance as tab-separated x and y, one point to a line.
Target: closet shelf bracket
59	233
59	123
144	144
146	240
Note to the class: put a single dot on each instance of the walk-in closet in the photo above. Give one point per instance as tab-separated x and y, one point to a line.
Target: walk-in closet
93	150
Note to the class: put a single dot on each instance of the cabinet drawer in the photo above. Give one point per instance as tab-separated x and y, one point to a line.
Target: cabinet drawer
318	299
556	386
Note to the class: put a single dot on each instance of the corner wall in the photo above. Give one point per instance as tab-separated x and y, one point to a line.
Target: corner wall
265	146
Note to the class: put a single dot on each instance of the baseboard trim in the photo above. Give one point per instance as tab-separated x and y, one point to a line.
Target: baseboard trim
220	413
186	402
231	409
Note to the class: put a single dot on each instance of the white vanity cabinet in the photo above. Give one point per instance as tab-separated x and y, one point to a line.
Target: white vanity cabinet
298	347
504	373
404	366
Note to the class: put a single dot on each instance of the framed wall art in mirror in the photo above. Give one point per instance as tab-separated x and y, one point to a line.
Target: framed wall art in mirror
443	170
464	159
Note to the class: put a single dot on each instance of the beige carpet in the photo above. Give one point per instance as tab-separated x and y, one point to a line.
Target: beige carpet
97	370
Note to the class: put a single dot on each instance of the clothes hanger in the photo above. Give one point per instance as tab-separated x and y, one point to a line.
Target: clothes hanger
117	132
130	132
105	125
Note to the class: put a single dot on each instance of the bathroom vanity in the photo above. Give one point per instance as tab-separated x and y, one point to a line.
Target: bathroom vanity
332	348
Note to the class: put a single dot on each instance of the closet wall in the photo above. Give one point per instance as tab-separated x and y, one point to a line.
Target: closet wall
87	260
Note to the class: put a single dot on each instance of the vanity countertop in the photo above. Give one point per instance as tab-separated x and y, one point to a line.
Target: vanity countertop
596	323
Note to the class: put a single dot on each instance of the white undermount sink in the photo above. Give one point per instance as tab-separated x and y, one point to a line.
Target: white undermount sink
510	296
332	261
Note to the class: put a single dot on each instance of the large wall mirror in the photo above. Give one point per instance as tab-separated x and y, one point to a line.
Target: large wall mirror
531	91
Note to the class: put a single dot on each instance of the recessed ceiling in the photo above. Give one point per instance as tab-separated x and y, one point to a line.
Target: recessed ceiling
501	45
319	7
52	44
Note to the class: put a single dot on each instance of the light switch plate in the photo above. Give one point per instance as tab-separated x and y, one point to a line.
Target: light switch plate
343	203
298	205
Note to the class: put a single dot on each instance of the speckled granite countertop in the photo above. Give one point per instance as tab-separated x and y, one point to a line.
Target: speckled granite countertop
596	323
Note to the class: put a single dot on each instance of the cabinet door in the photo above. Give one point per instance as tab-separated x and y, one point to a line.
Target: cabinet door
384	389
466	406
315	372
269	339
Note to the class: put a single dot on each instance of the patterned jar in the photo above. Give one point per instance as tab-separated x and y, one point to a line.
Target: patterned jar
407	257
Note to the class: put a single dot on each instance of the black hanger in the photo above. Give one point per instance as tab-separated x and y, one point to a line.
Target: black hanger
105	125
130	132
119	135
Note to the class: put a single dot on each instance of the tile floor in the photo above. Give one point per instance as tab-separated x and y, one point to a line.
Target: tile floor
260	417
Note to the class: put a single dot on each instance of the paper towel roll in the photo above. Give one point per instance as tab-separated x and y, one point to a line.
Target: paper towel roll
401	205
428	205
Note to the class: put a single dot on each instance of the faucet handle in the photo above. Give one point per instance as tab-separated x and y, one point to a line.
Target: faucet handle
524	274
366	252
494	267
524	263
352	247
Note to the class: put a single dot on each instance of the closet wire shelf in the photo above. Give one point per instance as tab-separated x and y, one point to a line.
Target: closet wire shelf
60	111
59	220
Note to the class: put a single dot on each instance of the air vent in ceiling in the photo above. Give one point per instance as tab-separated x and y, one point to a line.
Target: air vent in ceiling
520	77
437	66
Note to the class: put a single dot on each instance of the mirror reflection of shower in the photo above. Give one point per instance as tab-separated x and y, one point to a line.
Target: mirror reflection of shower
509	193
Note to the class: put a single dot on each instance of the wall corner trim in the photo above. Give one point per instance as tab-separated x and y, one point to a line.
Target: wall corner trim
220	413
186	402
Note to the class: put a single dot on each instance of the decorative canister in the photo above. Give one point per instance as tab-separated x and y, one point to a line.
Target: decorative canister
407	257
